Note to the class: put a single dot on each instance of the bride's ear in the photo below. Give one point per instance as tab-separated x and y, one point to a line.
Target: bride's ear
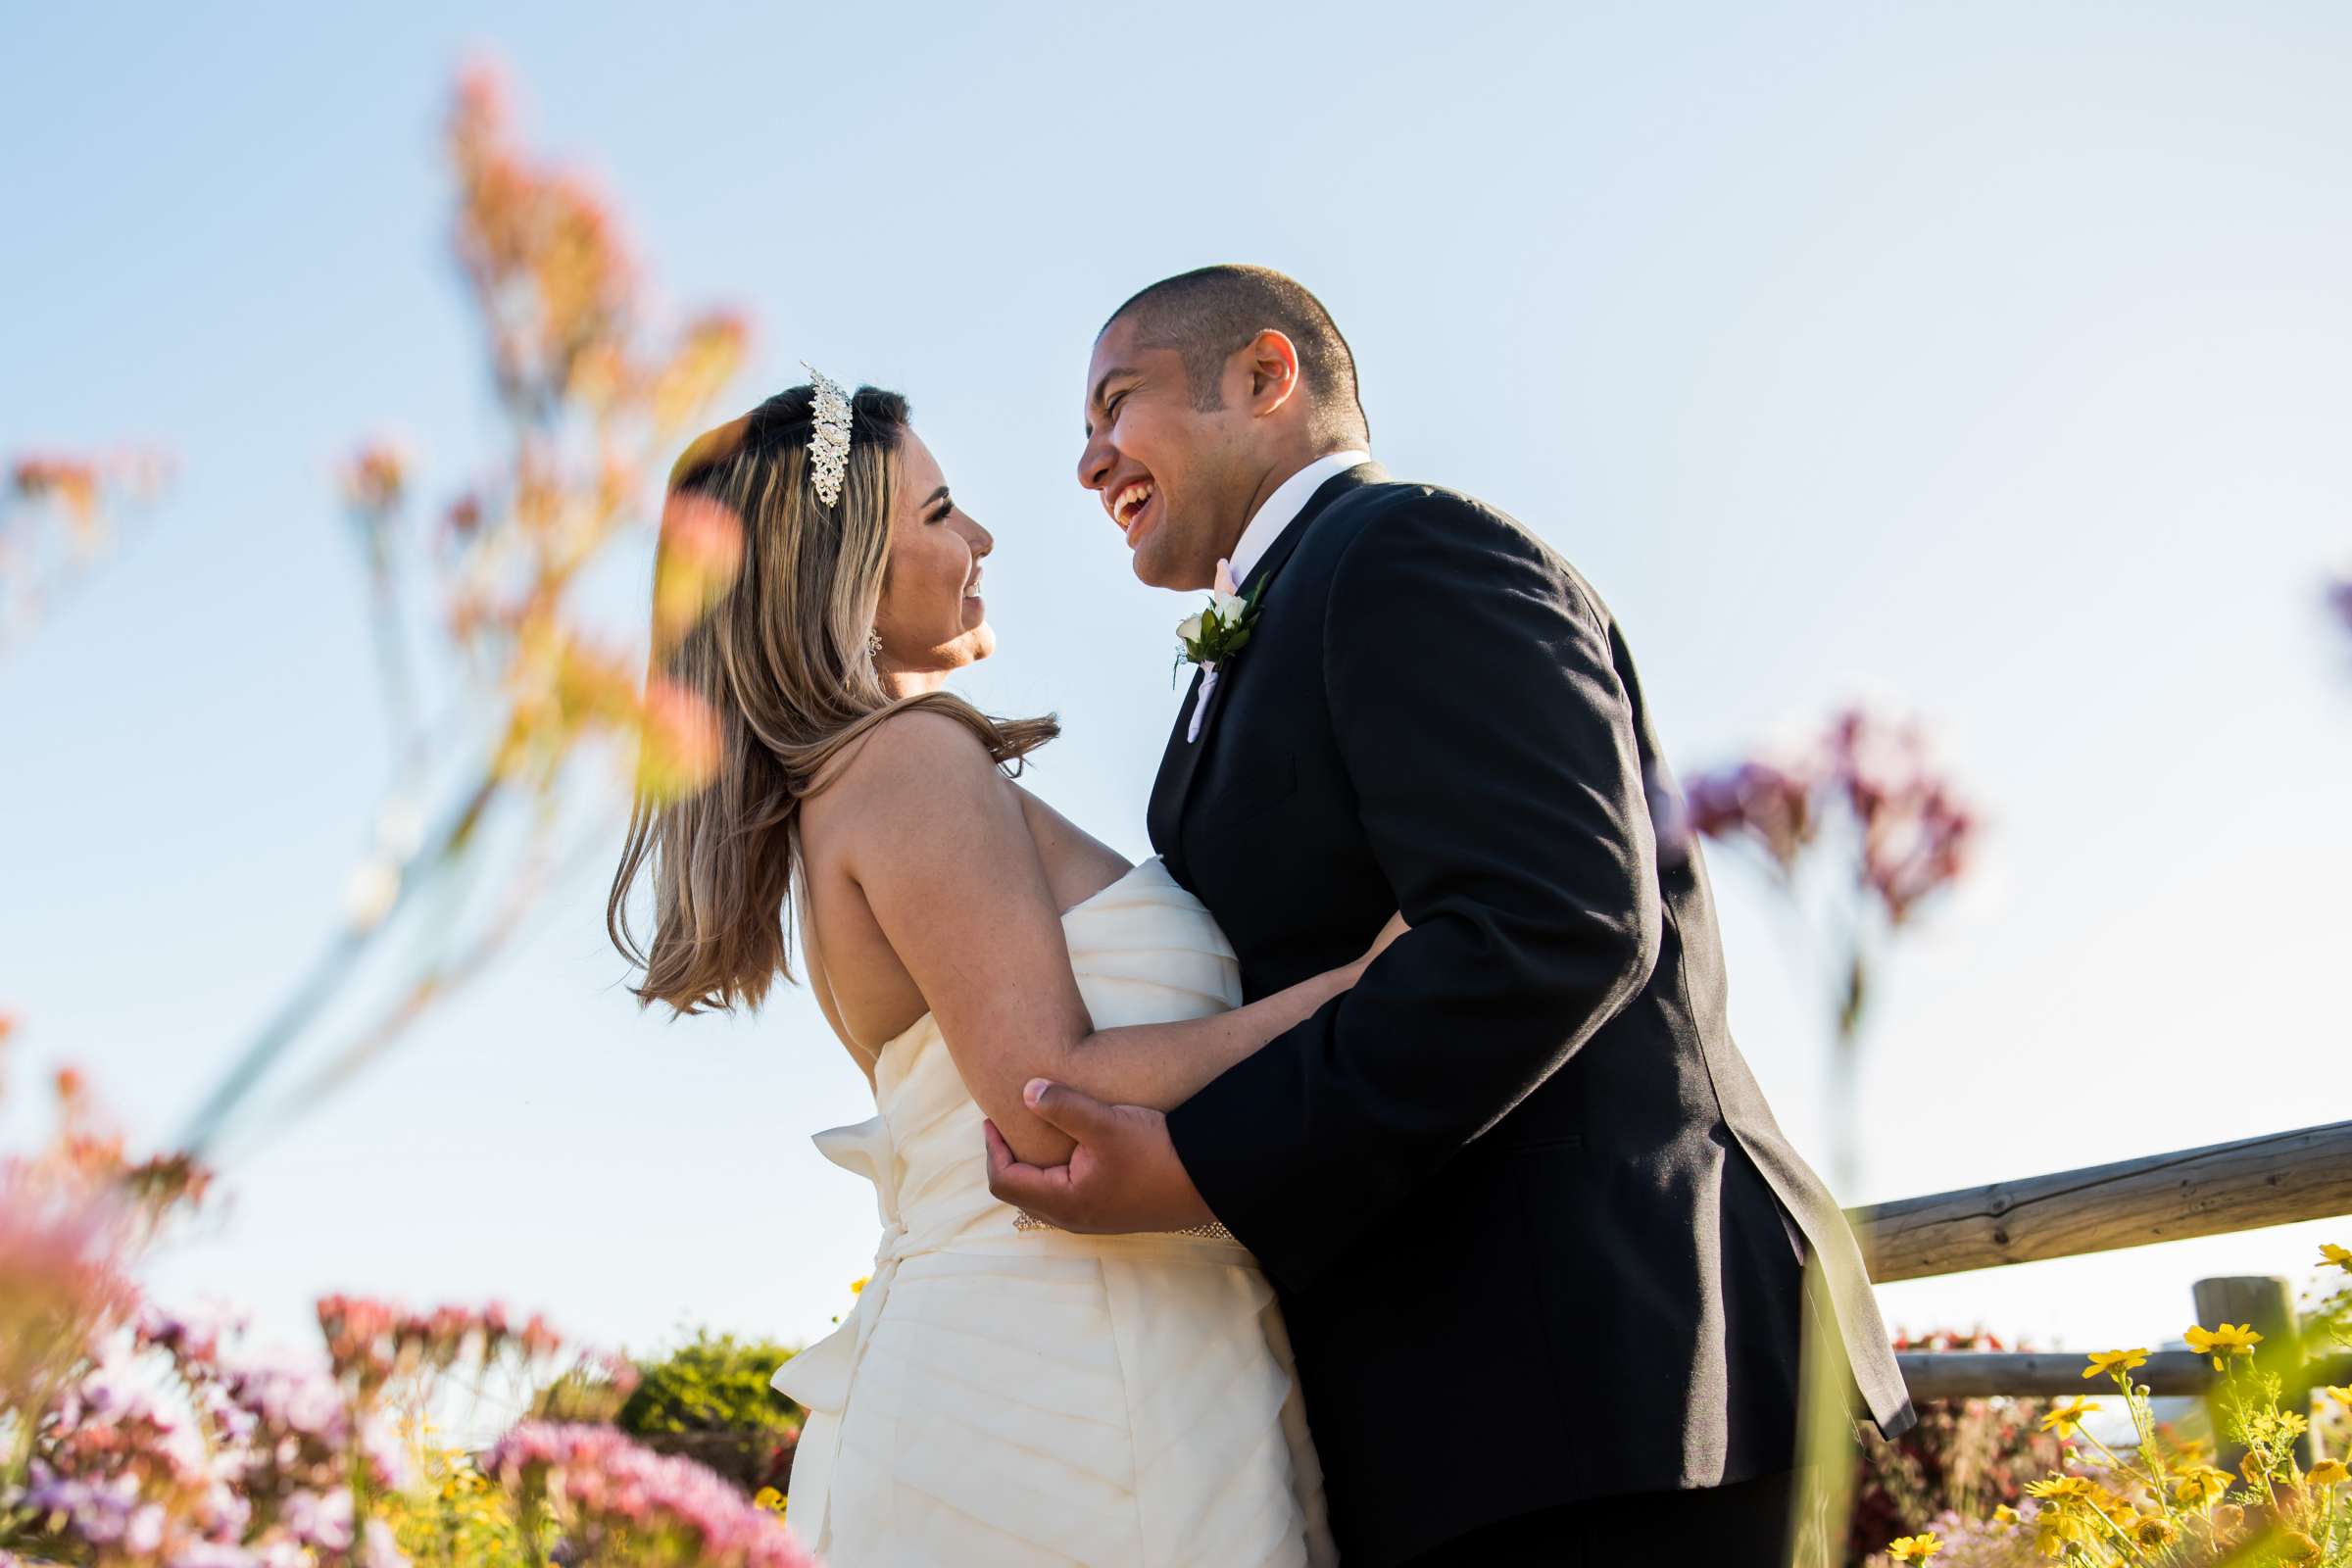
1271	362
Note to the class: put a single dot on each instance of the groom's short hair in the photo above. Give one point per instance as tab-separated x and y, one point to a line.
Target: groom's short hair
1206	314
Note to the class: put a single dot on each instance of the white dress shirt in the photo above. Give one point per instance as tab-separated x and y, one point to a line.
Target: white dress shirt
1259	536
1266	525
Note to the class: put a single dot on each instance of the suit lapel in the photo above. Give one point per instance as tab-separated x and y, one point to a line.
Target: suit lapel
1181	763
1174	780
1286	543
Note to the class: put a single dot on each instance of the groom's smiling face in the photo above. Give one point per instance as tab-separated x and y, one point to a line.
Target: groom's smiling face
1173	476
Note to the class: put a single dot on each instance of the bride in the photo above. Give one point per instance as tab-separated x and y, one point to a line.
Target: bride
1005	1393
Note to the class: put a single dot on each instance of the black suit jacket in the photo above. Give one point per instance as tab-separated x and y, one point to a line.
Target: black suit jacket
1520	1195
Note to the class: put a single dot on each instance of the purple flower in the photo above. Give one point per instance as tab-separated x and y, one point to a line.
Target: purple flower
1669	814
288	1399
379	1548
188	1338
99	1511
321	1520
211	1555
1769	800
1915	836
145	1530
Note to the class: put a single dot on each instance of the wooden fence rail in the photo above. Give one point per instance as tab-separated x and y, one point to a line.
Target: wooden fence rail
2242	1186
2134	1203
2052	1375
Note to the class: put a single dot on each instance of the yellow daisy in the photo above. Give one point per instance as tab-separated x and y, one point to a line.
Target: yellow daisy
2067	1416
2231	1339
2340	1257
2063	1488
2106	1363
1913	1548
2154	1530
2056	1529
2202	1486
2329	1473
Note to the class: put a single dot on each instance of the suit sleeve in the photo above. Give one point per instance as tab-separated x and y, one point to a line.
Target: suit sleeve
1491	746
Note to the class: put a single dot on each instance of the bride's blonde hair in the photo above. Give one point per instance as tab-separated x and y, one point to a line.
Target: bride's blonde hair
784	660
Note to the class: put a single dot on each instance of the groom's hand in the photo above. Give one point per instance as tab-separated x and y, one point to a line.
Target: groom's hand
1123	1176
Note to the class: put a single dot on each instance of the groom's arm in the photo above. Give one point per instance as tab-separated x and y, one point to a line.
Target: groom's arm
1491	746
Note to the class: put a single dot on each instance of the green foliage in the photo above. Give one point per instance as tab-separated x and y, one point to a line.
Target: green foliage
709	1400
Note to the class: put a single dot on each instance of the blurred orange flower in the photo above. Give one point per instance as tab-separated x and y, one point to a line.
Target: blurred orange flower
374	479
593	385
701	553
678	746
83	492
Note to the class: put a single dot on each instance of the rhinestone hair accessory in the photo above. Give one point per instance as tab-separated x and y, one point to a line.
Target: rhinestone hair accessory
830	441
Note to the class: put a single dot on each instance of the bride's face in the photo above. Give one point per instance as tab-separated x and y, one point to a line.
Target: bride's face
931	617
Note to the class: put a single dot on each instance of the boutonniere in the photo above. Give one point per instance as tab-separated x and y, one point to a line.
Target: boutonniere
1221	628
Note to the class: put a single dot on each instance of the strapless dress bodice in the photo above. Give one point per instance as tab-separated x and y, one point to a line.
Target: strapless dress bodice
1012	1395
1144	950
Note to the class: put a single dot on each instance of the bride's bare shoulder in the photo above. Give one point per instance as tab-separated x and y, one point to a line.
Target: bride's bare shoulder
918	762
919	791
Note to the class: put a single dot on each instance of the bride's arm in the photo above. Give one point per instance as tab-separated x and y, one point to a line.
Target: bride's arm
1161	1065
936	843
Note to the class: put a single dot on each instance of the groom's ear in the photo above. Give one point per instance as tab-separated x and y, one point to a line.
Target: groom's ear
1270	364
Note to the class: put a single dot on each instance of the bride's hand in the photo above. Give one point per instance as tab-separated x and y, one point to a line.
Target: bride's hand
1389	933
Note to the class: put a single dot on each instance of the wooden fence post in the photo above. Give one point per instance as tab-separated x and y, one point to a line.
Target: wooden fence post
2267	1304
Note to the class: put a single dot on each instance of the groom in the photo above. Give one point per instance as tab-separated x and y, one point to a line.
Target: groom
1536	1236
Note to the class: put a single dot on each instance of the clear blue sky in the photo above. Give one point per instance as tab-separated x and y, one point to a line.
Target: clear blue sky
1992	358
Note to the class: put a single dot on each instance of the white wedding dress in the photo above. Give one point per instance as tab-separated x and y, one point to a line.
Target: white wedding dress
1024	1397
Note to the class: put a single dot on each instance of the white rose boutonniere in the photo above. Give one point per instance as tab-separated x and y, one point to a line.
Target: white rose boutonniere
1220	630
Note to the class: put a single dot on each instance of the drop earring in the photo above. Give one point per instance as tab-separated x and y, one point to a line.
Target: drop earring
873	646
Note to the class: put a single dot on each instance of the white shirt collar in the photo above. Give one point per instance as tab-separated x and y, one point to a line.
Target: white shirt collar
1283	504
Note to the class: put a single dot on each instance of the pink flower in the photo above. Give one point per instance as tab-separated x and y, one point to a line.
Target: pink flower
605	1488
61	1279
